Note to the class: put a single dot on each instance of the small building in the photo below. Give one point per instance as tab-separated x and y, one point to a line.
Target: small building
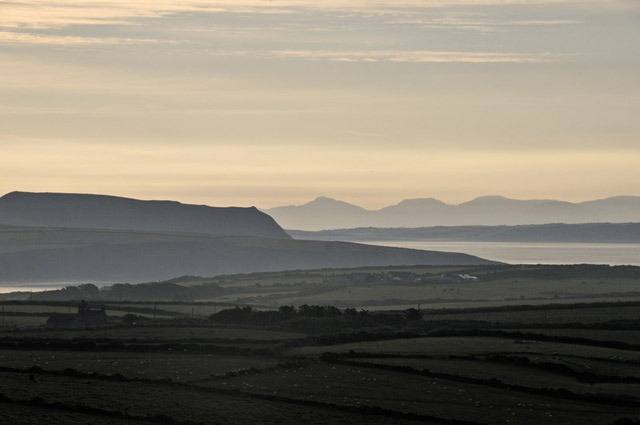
361	277
402	275
467	278
85	316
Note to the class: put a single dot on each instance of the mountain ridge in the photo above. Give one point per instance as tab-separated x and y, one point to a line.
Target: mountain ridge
489	210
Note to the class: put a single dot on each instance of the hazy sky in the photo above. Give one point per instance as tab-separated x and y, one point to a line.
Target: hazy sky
255	102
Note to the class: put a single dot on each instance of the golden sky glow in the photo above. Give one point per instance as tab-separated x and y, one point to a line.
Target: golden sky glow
274	103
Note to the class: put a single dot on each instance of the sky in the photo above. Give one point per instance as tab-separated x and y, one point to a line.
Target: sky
276	102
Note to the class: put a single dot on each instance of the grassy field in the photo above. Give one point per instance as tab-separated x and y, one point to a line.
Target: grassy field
179	403
362	386
513	374
563	363
183	367
162	331
22	322
435	295
544	313
464	346
430	286
34	414
627	336
374	288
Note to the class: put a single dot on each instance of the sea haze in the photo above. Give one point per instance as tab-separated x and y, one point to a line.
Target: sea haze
557	243
534	253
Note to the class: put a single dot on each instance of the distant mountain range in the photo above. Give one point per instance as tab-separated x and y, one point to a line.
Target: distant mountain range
540	233
86	255
326	213
81	211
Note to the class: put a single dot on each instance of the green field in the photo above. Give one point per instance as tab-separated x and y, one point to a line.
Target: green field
179	367
551	361
463	346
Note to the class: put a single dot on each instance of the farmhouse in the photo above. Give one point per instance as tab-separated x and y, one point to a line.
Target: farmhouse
402	275
85	316
450	278
467	278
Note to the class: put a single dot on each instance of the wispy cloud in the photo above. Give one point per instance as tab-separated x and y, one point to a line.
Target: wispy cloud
60	13
68	40
473	21
414	56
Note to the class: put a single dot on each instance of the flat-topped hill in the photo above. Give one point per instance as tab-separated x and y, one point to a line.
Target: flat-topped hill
112	212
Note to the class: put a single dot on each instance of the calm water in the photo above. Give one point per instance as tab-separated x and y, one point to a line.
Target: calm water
534	253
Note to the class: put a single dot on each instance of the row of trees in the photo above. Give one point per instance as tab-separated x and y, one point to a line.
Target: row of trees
249	315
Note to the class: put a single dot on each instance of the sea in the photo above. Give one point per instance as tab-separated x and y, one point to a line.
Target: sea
613	254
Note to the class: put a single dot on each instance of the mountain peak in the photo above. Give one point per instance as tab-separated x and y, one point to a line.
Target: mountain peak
619	198
326	202
324	199
327	213
421	201
490	198
416	205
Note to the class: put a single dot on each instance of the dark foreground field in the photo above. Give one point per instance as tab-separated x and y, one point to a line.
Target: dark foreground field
482	366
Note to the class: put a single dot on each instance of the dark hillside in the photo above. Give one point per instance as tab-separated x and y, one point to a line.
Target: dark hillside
111	212
54	255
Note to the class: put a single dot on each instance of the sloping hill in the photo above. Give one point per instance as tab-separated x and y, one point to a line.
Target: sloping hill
111	212
76	255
